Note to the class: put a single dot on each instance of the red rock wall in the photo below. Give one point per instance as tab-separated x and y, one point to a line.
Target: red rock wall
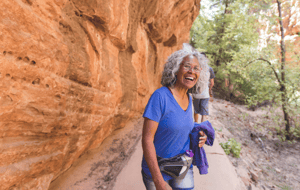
290	11
291	24
71	72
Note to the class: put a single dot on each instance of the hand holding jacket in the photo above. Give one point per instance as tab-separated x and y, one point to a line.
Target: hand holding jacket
202	139
200	159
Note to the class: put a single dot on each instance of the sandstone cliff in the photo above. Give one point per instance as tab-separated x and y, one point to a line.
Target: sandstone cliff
71	72
269	32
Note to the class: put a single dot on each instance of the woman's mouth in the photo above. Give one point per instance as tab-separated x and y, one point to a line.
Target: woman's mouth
189	78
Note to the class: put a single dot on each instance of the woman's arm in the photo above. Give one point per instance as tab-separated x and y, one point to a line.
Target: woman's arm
212	82
149	130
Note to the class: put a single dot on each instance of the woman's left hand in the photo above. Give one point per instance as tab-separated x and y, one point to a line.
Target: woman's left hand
202	139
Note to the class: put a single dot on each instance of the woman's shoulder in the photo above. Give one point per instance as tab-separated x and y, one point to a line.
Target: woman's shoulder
161	93
162	90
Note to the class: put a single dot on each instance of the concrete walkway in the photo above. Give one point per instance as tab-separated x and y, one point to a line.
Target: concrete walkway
221	173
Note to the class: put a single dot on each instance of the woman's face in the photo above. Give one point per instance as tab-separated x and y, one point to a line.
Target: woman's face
188	72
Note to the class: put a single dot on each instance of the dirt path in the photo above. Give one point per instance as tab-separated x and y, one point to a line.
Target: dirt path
265	161
97	169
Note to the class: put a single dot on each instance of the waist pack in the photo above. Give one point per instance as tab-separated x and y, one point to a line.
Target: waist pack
176	166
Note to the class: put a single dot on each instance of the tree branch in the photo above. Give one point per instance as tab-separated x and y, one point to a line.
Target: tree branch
215	4
262	59
276	74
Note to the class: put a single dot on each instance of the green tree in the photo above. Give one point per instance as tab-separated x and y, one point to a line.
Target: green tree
281	74
222	35
253	66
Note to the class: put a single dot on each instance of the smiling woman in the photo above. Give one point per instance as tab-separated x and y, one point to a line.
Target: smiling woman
188	73
174	62
168	118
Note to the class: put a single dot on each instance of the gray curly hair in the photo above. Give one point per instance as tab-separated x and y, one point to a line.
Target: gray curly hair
172	65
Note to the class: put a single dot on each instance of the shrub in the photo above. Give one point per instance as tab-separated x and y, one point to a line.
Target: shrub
231	146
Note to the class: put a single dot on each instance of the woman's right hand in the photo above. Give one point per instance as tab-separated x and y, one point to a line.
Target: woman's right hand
202	139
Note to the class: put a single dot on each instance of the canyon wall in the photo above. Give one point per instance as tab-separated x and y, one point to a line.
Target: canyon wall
72	72
269	31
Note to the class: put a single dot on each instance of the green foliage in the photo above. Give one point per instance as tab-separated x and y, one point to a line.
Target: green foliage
284	187
294	134
248	67
229	36
222	34
276	124
231	146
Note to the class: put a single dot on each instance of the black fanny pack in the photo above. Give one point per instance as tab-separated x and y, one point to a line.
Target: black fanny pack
176	166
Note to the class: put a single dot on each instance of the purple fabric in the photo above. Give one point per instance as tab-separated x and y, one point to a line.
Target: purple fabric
200	159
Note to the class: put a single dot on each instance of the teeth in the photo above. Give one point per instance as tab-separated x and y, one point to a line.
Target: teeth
190	78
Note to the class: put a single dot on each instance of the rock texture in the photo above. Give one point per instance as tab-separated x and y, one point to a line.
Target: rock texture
290	11
74	71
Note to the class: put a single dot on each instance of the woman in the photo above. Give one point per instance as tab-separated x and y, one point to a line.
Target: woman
168	117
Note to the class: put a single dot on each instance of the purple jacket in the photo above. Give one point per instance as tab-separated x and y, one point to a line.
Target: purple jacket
200	159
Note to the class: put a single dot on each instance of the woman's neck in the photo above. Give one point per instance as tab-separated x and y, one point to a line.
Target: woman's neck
179	92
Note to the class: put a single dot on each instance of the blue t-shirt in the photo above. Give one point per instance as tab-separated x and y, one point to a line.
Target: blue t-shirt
174	125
